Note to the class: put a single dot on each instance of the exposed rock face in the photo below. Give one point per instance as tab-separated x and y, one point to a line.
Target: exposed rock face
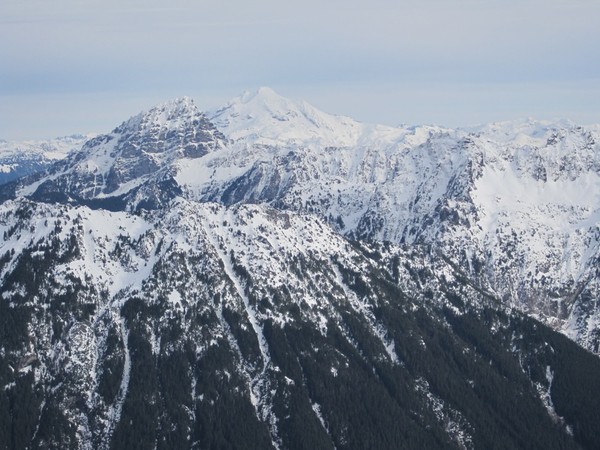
139	154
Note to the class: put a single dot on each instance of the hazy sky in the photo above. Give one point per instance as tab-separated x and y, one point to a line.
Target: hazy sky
84	65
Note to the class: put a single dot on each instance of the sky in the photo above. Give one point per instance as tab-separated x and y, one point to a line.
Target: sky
78	66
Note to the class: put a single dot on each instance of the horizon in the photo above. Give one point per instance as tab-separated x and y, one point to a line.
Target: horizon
95	132
79	68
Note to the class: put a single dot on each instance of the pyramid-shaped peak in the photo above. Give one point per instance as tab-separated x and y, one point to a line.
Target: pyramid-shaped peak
173	124
142	151
265	98
263	116
263	93
173	109
180	103
174	113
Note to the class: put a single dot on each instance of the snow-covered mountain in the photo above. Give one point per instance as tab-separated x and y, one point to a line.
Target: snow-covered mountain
268	275
18	159
137	157
514	204
201	325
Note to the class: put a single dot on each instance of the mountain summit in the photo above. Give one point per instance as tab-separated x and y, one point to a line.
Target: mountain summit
265	117
137	155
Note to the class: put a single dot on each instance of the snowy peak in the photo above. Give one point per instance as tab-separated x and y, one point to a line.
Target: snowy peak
172	114
142	150
265	117
265	96
177	126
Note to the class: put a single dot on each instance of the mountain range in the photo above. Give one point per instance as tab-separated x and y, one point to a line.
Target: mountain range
19	159
268	275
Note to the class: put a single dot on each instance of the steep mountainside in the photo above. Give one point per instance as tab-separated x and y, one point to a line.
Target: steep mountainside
269	276
209	326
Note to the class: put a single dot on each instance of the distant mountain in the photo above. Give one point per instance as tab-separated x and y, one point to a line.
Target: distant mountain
266	275
19	159
138	156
